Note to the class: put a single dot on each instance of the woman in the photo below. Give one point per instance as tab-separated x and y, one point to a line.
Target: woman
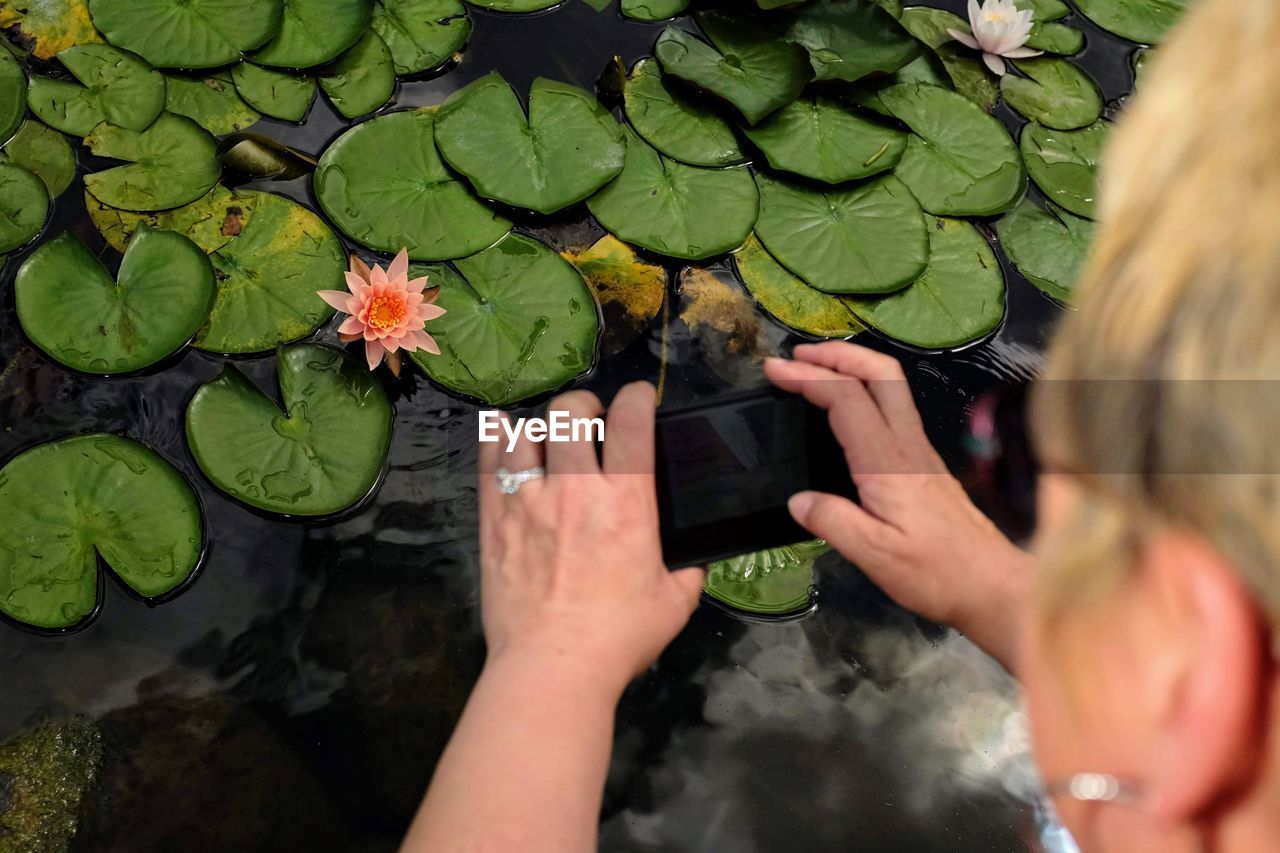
1145	627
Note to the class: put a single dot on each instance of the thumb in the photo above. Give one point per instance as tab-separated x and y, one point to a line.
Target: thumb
847	527
689	583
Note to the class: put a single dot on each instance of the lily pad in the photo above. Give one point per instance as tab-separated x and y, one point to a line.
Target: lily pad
421	34
653	10
210	222
959	161
630	292
44	151
362	79
267	278
820	138
1064	164
851	39
313	32
1055	38
745	63
113	86
260	157
71	308
867	238
171	163
790	300
676	209
321	453
959	299
1045	10
774	582
212	102
677	125
516	5
50	26
1048	247
1142	58
520	322
13	95
278	94
1145	21
1055	93
566	149
65	503
187	33
24	206
383	184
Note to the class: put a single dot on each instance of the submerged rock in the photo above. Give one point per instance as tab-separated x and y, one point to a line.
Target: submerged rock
45	773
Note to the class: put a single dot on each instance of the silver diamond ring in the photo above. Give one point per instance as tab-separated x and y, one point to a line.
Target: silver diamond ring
509	482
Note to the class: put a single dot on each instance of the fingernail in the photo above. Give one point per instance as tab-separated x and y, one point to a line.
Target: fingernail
799	505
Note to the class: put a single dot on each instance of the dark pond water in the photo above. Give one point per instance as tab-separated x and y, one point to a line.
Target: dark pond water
299	693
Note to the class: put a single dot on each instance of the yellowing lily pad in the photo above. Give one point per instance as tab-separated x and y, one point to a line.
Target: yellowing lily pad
210	222
50	26
114	85
630	291
790	300
171	163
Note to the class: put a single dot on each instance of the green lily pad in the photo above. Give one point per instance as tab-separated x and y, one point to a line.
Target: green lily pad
114	86
187	33
520	322
1055	38
867	238
745	63
314	32
790	300
210	221
965	72
71	308
820	138
278	94
65	503
630	292
44	151
1048	247
50	26
1145	21
421	34
212	102
13	95
676	209
653	10
322	453
959	161
1055	93
566	149
362	79
677	125
1142	58
171	163
1045	10
383	184
773	582
930	25
1064	164
516	5
24	206
267	278
959	298
850	39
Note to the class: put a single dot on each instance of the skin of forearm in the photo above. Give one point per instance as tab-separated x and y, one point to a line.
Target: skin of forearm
994	620
525	768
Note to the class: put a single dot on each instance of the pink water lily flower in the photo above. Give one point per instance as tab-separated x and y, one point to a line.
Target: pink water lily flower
1000	29
388	310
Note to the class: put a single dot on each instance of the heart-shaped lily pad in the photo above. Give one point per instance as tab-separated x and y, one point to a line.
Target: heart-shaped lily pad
212	102
1064	163
1055	93
774	582
71	308
520	322
676	209
383	184
44	151
1055	38
24	206
114	86
68	502
675	123
820	138
1048	247
421	34
964	71
630	292
187	33
959	299
851	39
745	63
50	26
866	238
1146	21
171	163
267	278
566	149
13	95
210	222
321	454
314	32
960	161
278	94
790	300
362	79
653	10
517	5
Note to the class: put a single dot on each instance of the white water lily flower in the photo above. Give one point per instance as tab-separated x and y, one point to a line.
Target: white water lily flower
1000	29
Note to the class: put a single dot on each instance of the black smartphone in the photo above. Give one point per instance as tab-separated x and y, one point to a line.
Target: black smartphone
726	467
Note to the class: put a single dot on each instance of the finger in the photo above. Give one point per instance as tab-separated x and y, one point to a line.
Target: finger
487	485
575	456
690	582
819	385
628	444
882	374
521	456
847	527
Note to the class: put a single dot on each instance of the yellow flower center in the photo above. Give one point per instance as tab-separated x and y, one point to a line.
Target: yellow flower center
996	16
386	312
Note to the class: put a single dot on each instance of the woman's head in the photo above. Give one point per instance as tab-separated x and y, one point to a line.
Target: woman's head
1160	600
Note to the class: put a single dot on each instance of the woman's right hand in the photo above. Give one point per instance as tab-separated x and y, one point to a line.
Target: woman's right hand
914	530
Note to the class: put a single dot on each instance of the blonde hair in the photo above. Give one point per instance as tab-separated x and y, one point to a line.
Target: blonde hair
1160	390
